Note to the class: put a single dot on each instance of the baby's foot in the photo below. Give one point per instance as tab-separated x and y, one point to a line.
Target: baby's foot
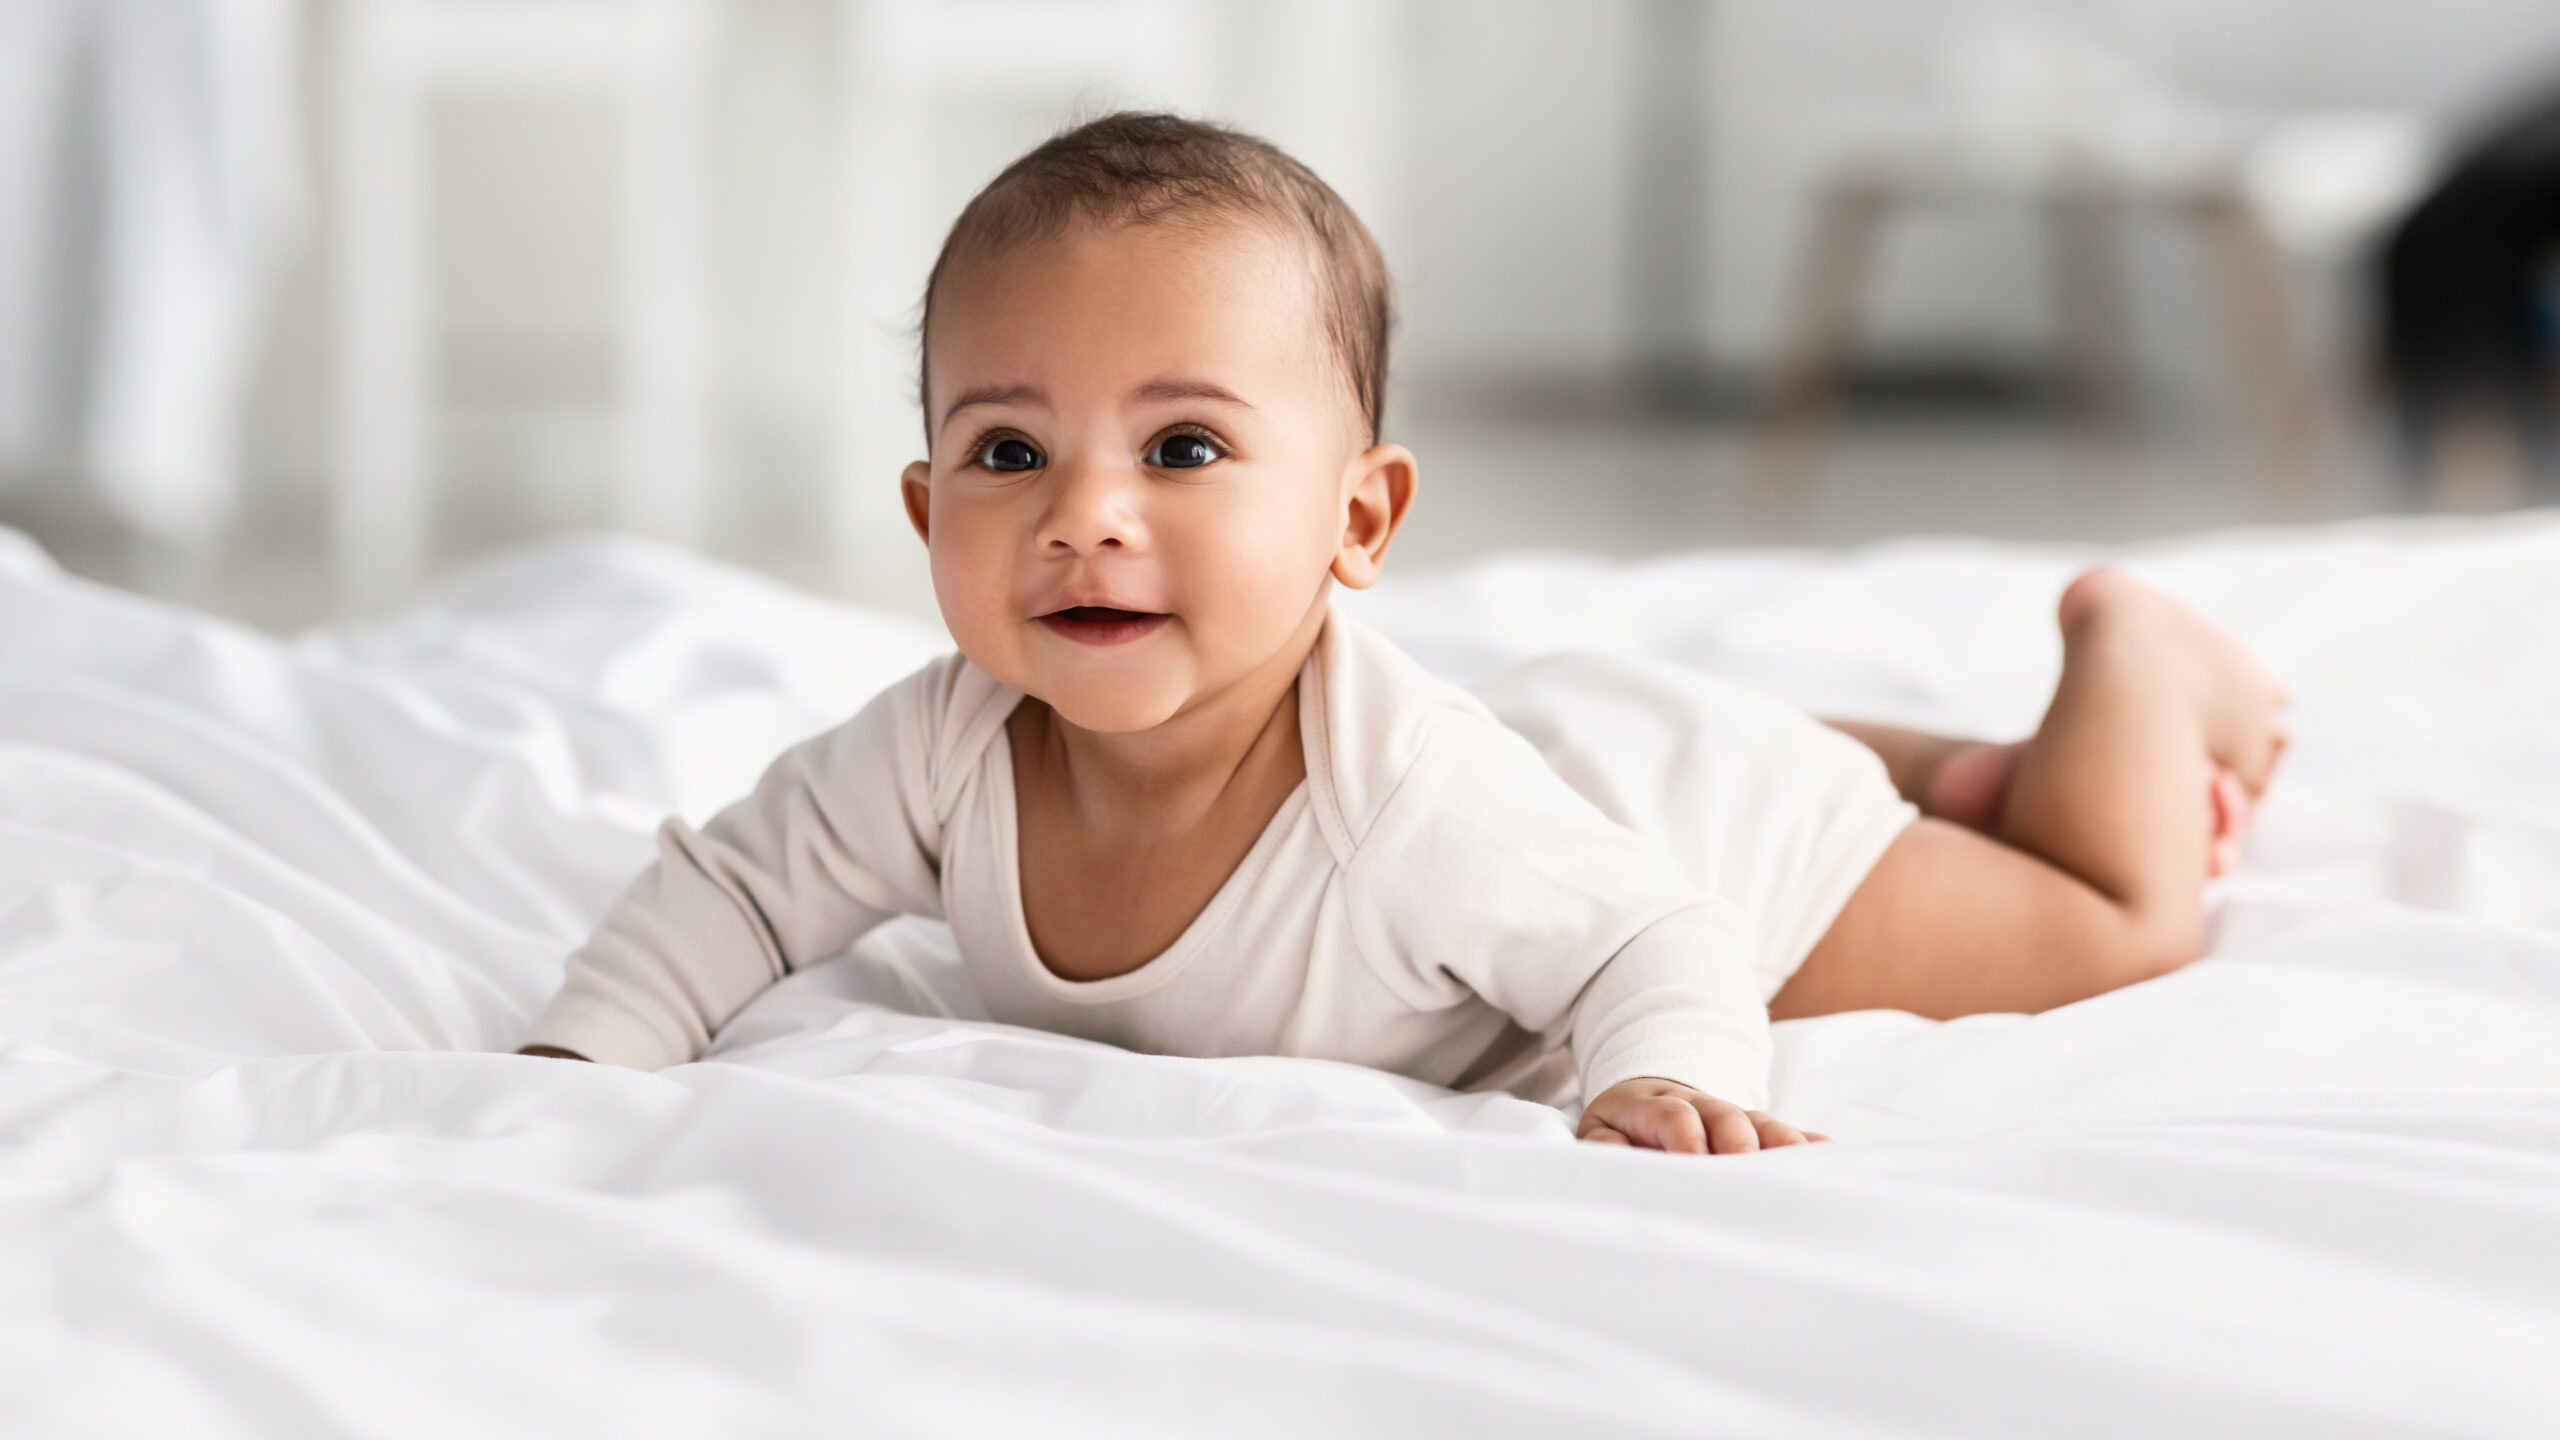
2235	699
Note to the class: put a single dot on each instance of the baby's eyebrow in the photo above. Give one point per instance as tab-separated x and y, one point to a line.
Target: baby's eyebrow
995	395
1176	388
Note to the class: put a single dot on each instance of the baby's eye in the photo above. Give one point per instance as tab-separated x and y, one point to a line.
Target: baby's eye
1181	450
1010	456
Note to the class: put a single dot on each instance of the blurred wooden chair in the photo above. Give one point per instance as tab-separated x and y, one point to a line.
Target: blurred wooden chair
2051	110
2081	205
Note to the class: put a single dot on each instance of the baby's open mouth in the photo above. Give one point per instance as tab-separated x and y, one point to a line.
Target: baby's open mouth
1101	624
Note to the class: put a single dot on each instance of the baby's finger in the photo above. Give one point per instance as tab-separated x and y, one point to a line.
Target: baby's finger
1595	1133
1731	1132
1667	1122
1816	1137
1775	1132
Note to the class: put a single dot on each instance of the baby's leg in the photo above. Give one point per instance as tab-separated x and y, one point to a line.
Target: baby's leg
1960	780
2091	873
1967	781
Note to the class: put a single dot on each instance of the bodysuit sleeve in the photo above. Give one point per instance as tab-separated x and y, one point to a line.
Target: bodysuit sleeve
839	836
1486	873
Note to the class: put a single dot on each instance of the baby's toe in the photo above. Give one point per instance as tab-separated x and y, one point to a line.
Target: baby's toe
2221	859
2233	813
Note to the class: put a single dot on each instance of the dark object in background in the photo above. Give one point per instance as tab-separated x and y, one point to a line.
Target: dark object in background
2467	347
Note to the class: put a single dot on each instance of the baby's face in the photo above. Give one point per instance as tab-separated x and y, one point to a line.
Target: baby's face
1145	465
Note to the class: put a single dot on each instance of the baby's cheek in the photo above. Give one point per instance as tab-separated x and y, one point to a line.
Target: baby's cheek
1261	612
974	592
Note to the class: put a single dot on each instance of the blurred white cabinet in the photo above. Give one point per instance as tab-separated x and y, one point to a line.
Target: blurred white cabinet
650	60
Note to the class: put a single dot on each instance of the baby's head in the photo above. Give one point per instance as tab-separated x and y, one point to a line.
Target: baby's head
1155	354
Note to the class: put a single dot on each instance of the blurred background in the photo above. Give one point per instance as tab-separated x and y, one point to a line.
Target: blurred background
304	301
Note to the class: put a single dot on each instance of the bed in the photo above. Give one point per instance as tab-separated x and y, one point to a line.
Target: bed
267	907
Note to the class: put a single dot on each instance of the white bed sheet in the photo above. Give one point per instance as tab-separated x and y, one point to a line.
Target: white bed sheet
260	902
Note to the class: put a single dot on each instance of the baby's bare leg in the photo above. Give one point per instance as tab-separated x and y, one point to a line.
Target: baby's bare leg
2092	874
1965	781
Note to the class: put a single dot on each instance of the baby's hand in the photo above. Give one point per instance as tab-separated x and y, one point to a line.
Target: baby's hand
1667	1115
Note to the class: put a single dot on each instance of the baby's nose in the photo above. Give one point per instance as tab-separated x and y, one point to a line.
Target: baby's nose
1092	508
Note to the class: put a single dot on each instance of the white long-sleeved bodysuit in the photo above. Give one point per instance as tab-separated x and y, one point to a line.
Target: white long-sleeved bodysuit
1431	900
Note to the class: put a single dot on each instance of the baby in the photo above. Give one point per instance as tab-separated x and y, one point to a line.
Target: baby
1166	799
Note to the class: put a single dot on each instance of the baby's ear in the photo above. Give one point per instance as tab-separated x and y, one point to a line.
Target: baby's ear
1380	494
915	488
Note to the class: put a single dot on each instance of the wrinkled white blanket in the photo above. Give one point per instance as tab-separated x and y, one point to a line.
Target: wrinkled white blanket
260	902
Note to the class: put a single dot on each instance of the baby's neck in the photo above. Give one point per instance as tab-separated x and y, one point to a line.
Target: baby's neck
1123	839
1248	728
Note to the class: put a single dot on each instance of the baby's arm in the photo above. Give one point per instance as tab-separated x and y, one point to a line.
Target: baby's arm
1488	870
1674	1041
838	836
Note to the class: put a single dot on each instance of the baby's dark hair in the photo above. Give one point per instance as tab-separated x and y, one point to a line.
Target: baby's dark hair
1139	168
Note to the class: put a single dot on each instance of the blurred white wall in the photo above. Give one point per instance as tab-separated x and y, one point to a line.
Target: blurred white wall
1488	141
148	186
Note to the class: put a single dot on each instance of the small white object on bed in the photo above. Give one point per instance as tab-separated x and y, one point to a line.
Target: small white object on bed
261	902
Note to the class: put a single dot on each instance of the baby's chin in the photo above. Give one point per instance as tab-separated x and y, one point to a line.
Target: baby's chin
1115	692
1119	704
